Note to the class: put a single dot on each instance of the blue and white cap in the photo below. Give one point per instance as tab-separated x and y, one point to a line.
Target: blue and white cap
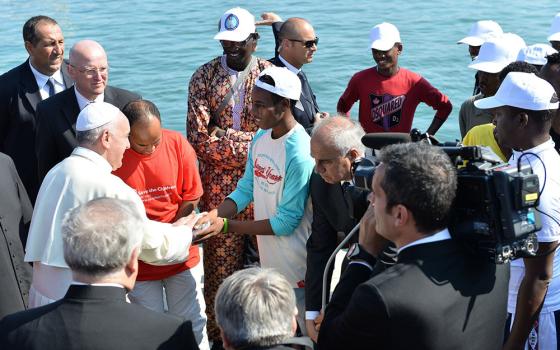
236	24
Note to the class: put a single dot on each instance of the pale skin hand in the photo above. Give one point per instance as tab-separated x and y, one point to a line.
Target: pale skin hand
268	18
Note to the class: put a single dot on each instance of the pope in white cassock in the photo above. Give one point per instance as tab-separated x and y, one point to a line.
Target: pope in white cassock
102	133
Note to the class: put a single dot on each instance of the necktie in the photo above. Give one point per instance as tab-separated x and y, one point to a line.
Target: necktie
50	83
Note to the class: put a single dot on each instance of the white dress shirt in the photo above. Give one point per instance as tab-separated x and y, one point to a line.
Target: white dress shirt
42	82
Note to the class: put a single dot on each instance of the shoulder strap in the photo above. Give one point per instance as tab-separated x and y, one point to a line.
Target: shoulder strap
240	79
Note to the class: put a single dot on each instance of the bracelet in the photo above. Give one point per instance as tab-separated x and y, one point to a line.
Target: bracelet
225	228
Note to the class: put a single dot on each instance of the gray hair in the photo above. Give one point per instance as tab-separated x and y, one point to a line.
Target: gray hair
255	307
99	236
344	133
90	137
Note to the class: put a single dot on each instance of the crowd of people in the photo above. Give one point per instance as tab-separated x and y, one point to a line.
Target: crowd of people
104	213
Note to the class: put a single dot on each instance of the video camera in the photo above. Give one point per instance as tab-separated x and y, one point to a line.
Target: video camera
494	209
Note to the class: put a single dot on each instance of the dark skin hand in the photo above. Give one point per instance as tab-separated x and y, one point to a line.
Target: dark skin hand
532	291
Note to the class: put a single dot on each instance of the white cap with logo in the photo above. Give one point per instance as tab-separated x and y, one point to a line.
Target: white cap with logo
554	31
480	32
96	114
536	54
495	54
384	36
286	83
236	24
522	90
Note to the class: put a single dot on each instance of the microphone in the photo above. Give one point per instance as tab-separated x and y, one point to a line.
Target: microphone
382	139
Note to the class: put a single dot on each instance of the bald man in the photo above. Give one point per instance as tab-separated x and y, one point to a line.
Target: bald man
296	43
56	116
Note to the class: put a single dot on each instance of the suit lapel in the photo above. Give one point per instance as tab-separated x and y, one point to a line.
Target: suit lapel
109	96
68	81
29	86
70	107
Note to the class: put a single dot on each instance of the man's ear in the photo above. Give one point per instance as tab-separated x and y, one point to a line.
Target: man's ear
400	214
523	119
28	47
105	138
399	47
353	154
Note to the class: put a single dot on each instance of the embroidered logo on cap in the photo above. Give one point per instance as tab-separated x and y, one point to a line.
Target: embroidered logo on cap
231	22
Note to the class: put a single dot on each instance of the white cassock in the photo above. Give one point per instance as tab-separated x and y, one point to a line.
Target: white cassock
81	177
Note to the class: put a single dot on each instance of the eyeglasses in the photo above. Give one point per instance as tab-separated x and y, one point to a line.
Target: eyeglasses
309	43
90	72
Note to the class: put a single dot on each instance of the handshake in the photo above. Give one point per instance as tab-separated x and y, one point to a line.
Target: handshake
203	225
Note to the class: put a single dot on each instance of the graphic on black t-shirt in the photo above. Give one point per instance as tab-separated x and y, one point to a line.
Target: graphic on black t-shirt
386	109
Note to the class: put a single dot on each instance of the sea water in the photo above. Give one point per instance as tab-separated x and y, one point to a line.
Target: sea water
155	46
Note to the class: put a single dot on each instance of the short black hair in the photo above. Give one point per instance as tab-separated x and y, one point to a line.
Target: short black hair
30	28
518	66
553	59
138	110
430	178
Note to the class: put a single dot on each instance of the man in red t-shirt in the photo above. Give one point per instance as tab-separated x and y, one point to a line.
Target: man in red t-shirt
389	94
161	166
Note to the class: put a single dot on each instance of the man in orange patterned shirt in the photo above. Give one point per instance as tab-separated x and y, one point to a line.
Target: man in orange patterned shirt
220	127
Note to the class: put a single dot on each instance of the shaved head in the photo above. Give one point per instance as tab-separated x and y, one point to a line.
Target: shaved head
293	27
89	68
298	43
85	50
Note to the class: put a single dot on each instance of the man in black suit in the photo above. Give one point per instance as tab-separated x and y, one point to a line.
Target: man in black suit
56	117
43	74
296	44
335	144
437	296
256	310
15	216
102	240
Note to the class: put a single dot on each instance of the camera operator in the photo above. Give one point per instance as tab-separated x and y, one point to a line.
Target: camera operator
523	108
437	296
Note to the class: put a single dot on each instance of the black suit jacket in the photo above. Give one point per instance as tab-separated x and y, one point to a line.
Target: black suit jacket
91	317
19	96
436	297
330	216
305	117
56	124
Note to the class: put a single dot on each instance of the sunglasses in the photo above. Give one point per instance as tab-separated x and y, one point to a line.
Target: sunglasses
309	43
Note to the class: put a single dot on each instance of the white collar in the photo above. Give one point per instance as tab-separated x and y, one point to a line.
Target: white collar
440	236
289	66
545	146
83	102
76	283
42	78
93	156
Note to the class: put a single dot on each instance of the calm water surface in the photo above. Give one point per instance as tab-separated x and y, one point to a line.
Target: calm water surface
155	46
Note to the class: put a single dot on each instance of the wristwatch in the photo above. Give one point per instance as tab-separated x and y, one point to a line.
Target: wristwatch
357	253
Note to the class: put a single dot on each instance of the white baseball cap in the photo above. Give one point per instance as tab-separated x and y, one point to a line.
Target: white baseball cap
384	36
96	114
522	90
480	32
554	31
236	24
536	54
286	83
495	54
